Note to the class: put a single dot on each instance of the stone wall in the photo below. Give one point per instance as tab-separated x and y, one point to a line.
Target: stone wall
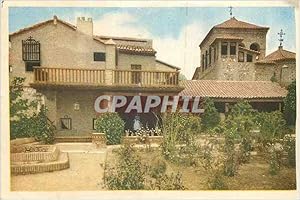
60	46
228	67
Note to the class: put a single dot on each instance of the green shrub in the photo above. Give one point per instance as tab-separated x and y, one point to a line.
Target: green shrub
178	128
25	118
158	168
169	182
211	117
272	126
290	105
217	182
289	146
129	174
112	125
43	130
274	161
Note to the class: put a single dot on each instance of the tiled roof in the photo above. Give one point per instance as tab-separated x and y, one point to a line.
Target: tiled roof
124	44
281	54
136	49
234	23
227	37
43	23
278	55
129	39
233	89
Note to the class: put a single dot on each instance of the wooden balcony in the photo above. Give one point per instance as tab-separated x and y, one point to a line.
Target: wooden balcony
65	76
98	78
145	78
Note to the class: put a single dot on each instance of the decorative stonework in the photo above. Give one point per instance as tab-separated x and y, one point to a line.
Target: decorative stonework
99	139
28	156
41	153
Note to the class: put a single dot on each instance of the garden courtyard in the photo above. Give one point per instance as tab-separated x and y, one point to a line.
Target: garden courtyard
87	165
246	150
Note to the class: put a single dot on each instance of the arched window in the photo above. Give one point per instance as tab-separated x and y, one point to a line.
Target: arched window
241	44
254	46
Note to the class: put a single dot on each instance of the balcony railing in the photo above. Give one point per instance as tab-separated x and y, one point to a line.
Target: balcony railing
101	77
69	76
145	78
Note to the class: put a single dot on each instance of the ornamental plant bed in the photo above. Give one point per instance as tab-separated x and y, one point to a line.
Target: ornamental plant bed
142	140
251	176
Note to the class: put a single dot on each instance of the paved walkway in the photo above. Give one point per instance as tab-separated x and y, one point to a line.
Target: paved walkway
85	172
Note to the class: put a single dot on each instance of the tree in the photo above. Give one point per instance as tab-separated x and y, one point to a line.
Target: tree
25	118
210	117
182	77
290	104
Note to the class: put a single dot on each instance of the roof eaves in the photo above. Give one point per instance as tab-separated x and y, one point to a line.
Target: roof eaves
172	66
41	24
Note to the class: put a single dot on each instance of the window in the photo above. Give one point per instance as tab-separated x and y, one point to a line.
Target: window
136	75
249	58
254	46
206	55
224	48
202	60
31	50
233	48
94	123
241	56
29	66
215	54
99	56
209	54
66	123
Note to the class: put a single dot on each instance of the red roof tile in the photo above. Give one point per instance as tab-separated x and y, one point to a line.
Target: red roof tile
234	23
136	49
233	89
280	54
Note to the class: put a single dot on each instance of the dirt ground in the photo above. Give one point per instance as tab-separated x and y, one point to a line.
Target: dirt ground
87	169
251	176
85	173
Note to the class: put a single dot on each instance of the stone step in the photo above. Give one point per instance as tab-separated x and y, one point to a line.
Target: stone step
73	139
31	168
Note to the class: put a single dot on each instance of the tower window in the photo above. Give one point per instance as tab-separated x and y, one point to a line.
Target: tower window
224	48
249	58
233	48
254	46
241	56
209	54
206	55
202	61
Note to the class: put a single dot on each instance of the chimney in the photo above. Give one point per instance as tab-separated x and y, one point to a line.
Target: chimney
85	25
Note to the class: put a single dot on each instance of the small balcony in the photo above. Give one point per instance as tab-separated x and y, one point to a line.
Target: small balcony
99	78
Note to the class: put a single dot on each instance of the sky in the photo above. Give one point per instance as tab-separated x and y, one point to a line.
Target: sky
176	31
